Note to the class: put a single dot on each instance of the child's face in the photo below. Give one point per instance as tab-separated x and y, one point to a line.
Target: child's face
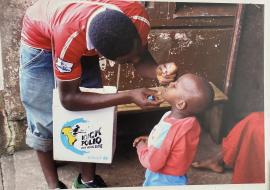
189	92
173	91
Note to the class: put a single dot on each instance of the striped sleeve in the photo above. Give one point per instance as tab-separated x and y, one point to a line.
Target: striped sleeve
69	46
154	155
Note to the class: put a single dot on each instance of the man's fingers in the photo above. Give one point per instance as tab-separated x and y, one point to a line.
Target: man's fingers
172	76
161	70
165	81
171	68
148	92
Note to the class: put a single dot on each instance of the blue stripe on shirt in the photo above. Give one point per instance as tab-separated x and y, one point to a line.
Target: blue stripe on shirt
159	133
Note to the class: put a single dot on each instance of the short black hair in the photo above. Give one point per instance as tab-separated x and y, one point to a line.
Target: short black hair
112	34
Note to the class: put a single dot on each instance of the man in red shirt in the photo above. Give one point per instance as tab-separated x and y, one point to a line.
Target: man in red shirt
57	37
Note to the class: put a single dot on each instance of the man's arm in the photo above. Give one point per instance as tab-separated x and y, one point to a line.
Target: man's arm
73	99
147	66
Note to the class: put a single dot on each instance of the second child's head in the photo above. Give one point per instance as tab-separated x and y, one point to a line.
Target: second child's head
189	95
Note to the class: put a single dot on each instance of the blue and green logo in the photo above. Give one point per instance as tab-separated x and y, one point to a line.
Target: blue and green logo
79	136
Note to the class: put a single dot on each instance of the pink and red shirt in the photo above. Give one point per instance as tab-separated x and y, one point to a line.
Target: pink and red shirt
60	26
172	145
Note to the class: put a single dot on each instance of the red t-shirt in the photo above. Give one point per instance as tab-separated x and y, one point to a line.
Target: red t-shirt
60	26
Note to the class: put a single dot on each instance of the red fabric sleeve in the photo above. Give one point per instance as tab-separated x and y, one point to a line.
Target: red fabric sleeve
152	158
69	46
243	149
142	28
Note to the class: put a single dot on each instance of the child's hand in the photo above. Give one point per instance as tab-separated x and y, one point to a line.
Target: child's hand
139	139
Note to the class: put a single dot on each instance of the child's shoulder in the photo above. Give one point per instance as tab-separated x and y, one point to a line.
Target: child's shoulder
185	124
190	119
185	121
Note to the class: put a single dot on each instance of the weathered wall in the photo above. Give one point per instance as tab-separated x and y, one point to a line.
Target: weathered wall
10	27
3	139
248	86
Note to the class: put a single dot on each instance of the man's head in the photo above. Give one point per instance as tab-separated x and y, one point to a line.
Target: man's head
190	94
114	35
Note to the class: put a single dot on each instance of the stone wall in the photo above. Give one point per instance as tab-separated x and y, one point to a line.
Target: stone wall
13	115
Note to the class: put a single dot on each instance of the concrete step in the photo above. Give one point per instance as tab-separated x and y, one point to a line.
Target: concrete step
1	178
28	174
22	171
8	173
27	168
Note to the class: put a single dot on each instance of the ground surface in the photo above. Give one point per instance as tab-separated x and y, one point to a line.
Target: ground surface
22	171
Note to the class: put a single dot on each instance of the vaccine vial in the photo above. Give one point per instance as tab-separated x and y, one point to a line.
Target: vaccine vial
151	98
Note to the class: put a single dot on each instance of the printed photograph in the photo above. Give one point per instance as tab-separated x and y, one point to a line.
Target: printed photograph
114	93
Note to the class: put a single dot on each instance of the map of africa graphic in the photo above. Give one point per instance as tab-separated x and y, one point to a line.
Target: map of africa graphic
69	133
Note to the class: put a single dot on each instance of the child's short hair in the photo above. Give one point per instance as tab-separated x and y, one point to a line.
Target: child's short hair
207	95
204	93
112	33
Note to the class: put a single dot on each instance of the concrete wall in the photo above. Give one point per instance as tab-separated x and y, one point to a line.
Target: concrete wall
1	67
11	14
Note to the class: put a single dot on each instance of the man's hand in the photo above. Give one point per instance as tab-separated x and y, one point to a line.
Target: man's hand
166	73
139	97
143	139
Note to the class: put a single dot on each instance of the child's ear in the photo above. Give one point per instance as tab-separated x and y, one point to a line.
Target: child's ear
181	105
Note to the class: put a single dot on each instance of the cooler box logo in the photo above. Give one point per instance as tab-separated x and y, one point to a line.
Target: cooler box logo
79	136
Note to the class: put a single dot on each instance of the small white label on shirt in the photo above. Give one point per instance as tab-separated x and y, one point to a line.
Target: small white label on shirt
63	66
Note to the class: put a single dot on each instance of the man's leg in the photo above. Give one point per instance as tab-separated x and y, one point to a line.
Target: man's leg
49	168
88	171
36	87
91	78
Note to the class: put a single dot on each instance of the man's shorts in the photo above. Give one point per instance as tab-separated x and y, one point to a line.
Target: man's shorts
36	91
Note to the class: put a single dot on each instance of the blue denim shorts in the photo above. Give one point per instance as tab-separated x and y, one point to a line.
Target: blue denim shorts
36	91
36	88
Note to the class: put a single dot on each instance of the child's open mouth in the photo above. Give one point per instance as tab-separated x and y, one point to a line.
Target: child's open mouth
161	92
